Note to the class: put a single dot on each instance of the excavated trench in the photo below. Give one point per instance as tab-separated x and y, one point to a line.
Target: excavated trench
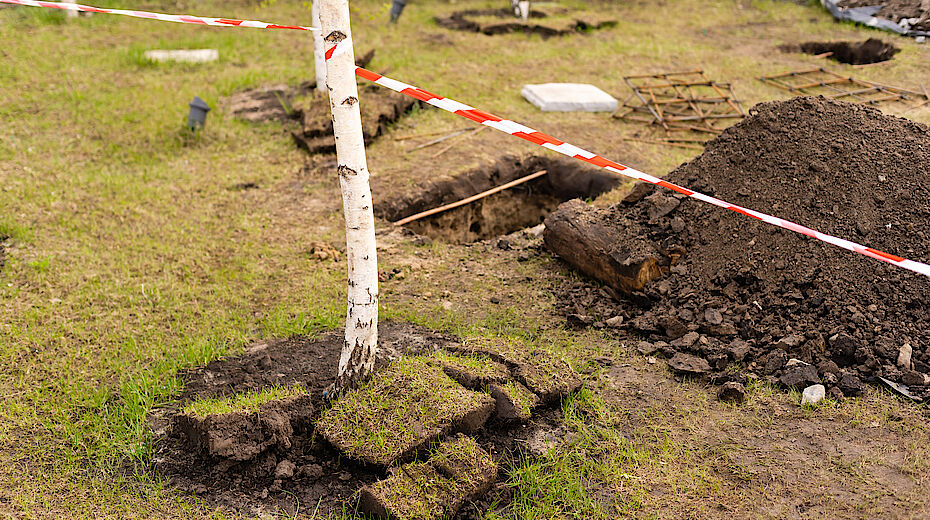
522	206
872	50
475	20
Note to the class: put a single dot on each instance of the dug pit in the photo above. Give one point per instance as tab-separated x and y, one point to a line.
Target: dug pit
502	21
872	50
520	207
252	434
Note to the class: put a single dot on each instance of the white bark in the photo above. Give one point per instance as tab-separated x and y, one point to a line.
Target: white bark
361	338
319	63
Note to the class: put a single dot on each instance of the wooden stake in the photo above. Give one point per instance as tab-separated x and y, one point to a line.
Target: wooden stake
468	200
361	334
319	61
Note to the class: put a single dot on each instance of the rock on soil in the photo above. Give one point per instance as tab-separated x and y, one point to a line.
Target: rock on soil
813	394
843	169
731	392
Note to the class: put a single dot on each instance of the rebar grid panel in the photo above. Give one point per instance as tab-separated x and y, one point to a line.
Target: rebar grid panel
681	101
820	81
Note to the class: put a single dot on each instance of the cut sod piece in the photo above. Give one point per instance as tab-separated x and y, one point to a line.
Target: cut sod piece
515	402
406	405
472	371
540	369
458	471
242	427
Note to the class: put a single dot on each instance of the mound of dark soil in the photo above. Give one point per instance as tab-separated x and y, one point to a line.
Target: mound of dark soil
872	50
462	21
748	291
280	465
917	12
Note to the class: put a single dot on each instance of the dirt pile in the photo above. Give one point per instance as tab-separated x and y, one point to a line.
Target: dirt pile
914	13
790	308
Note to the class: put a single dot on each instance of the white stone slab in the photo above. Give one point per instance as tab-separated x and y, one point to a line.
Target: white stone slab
569	97
184	56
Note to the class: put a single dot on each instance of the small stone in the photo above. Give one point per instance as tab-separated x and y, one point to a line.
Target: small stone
850	385
713	316
835	393
447	306
731	392
800	376
285	469
577	321
830	379
199	489
813	395
651	360
790	342
673	327
829	367
645	348
913	377
686	341
614	322
495	300
738	349
904	357
688	364
794	362
775	361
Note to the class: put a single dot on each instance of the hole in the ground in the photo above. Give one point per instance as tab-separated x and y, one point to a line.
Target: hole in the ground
502	21
872	50
522	206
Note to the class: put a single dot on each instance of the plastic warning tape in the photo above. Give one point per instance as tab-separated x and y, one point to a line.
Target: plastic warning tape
179	18
528	134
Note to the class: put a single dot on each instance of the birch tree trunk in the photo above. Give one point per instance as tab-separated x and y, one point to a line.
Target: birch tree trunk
361	338
319	63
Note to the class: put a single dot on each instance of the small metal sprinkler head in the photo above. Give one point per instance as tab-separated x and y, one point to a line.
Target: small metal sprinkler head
197	117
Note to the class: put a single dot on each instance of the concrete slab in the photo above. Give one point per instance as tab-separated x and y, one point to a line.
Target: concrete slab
569	97
183	56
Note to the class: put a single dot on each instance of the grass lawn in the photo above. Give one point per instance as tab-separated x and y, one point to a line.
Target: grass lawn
133	254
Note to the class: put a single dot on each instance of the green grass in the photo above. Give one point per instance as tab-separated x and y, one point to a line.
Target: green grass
248	402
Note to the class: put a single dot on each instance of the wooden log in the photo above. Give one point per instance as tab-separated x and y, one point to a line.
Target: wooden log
578	234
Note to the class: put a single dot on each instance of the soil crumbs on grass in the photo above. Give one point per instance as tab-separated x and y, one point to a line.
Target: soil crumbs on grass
745	291
287	467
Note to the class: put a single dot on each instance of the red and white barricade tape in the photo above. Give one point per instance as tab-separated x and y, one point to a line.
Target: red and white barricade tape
528	134
504	125
179	18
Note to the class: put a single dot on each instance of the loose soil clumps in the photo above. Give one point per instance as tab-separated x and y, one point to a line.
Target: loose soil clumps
520	207
872	50
791	309
252	433
485	21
